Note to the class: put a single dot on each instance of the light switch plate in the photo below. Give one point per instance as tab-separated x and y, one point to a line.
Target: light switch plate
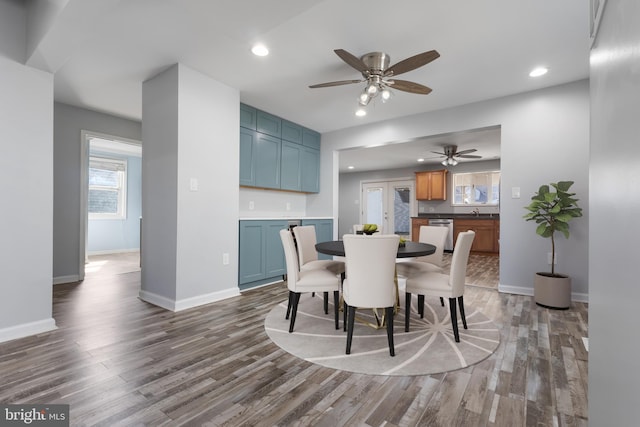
515	192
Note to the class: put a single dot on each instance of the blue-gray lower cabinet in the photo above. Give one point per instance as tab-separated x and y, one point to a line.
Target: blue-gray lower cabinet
261	257
324	232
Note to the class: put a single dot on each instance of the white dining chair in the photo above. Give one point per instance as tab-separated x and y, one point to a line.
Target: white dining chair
305	239
370	279
435	236
436	284
316	280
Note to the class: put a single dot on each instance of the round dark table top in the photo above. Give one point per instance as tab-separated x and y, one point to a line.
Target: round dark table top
411	249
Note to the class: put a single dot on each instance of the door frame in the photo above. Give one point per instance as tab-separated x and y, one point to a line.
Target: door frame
85	138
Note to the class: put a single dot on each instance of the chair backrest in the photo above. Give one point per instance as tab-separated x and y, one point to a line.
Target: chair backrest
459	260
357	227
291	258
370	267
436	236
306	241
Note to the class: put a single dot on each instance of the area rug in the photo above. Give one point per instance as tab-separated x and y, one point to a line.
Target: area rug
428	348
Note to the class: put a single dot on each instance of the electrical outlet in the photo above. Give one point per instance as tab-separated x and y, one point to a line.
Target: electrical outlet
225	258
288	206
251	205
549	259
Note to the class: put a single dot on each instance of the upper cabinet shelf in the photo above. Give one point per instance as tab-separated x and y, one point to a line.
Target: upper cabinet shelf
277	154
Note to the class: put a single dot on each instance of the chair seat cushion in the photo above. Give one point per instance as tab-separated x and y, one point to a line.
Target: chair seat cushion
336	267
431	284
411	268
318	280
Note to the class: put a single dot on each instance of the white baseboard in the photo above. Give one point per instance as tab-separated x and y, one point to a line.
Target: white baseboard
27	329
521	290
179	305
66	279
113	251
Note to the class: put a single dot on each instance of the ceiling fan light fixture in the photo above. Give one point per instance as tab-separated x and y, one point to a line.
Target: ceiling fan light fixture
372	89
364	99
385	95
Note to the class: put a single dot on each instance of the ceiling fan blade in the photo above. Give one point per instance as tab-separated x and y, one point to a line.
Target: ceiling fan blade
412	63
435	152
409	87
471	150
352	60
468	156
339	83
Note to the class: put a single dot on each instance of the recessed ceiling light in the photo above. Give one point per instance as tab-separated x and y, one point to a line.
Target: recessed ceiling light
361	112
351	167
421	160
260	50
537	72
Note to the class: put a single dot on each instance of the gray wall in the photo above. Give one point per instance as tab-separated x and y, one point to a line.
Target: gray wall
544	138
26	167
349	190
614	292
67	221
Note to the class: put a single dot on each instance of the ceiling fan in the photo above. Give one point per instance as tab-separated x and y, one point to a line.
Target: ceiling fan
451	153
379	76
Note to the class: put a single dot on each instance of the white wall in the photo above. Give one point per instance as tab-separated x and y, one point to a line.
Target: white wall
67	221
545	138
614	291
190	132
26	168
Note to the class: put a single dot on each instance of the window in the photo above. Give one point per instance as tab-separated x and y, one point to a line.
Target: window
107	188
476	188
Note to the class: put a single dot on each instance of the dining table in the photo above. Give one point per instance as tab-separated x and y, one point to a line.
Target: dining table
405	250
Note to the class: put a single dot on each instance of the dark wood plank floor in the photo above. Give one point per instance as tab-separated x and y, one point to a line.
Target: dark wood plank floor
120	361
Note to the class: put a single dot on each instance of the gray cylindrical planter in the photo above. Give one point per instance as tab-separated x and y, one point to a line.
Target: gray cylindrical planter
552	291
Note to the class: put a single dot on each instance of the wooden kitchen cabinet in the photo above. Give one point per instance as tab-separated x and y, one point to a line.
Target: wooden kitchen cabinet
431	185
486	237
416	223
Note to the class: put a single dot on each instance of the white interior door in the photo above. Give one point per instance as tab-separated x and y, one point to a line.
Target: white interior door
389	204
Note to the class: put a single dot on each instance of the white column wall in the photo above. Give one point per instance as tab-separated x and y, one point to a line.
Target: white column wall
545	138
26	171
190	136
614	291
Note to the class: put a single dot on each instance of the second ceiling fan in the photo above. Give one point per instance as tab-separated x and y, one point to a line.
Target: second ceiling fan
451	153
379	76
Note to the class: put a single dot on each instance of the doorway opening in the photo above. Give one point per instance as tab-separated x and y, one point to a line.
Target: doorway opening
111	202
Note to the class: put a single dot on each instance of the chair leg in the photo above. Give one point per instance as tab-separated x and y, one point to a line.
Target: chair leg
344	315
454	318
326	302
294	310
407	310
392	350
442	301
461	307
336	306
350	318
421	306
289	305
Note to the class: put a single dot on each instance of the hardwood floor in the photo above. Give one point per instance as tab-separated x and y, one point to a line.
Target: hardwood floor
120	361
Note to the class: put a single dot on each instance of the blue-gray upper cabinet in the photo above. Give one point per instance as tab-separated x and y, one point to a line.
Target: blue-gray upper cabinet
266	161
291	132
310	170
269	124
310	138
291	166
324	232
248	117
248	146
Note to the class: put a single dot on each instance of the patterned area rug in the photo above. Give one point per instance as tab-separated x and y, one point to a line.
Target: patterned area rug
428	348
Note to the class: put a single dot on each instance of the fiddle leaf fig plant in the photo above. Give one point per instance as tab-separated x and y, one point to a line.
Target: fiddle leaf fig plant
552	211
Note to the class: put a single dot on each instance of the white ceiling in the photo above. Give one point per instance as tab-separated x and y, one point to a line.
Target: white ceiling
101	52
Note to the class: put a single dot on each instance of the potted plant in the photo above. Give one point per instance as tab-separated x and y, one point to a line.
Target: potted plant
552	211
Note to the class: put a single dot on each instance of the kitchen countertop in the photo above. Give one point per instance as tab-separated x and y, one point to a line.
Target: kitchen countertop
458	216
282	218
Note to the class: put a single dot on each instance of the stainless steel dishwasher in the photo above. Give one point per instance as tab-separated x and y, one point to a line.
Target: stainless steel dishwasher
445	222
